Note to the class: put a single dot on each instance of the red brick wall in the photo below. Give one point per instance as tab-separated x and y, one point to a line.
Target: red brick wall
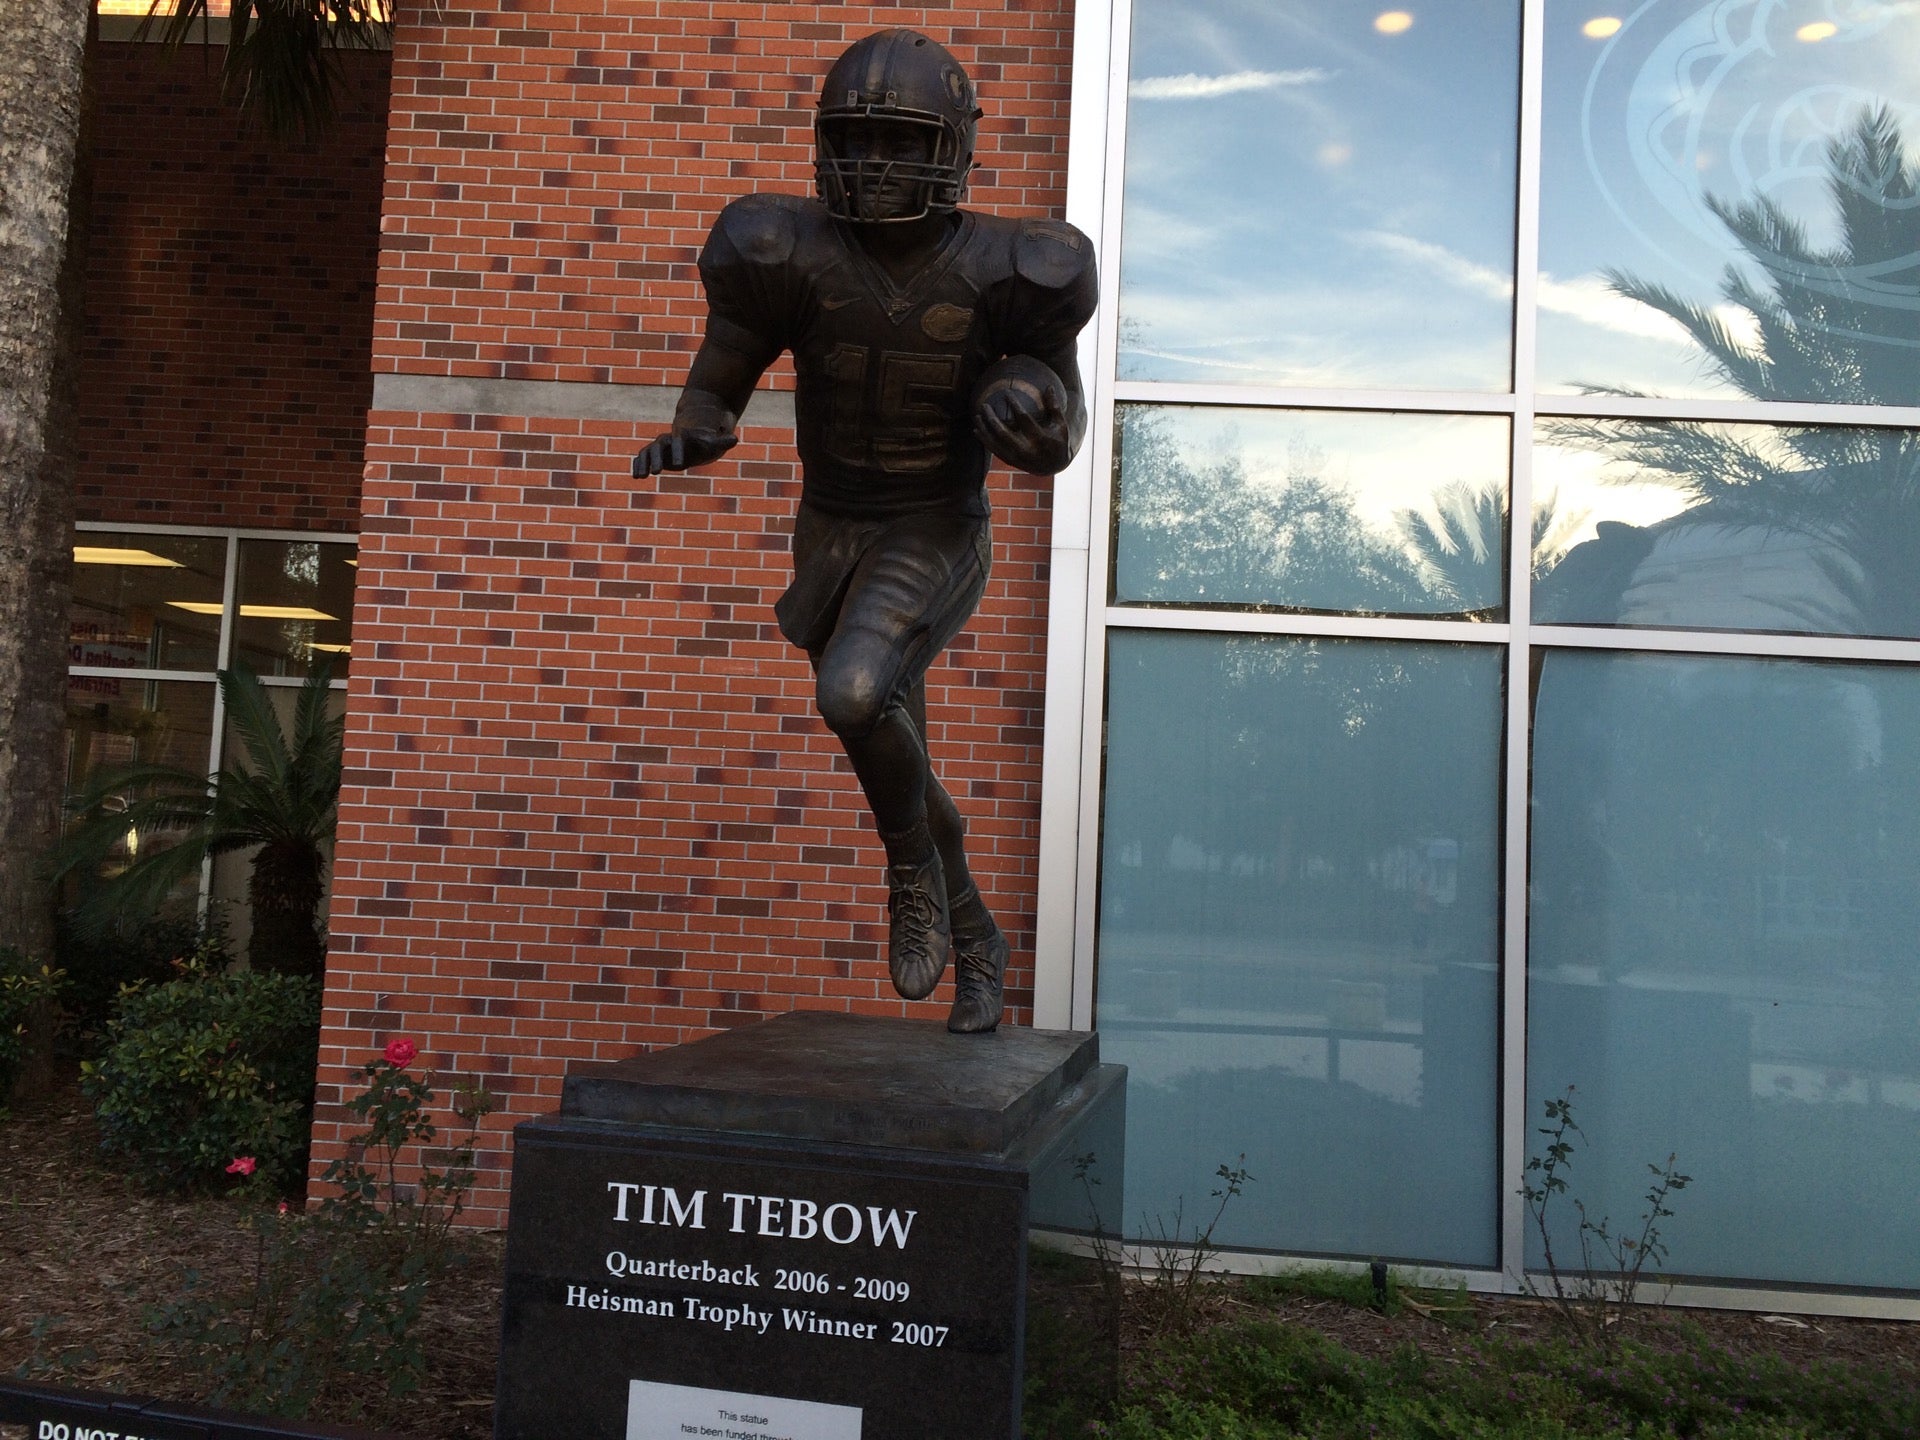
589	808
230	289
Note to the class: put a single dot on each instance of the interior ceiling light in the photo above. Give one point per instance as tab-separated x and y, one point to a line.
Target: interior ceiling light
331	649
255	612
1601	26
1393	22
116	555
1817	31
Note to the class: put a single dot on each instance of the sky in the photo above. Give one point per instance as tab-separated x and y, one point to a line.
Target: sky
1321	194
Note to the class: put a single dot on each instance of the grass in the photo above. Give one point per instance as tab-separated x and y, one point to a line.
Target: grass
1254	1374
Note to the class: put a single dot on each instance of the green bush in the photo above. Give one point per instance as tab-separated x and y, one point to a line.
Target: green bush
100	965
24	988
206	1068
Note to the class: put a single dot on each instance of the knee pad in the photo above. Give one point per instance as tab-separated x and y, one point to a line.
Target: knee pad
851	700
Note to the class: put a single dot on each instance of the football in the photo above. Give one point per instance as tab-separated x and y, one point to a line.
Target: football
1021	381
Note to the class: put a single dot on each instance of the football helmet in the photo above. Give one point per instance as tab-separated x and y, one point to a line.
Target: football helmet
899	81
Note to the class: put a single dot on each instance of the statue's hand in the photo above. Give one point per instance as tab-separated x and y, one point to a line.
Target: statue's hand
683	450
1020	414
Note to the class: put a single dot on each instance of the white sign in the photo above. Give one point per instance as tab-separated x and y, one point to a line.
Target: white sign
678	1412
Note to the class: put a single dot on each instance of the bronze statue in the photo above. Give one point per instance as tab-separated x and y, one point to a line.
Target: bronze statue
923	336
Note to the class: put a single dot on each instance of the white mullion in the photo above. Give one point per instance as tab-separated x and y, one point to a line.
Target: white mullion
1515	835
1346	627
1473	402
133	672
217	748
215	532
1736	644
1100	530
1287	397
1057	956
1731	412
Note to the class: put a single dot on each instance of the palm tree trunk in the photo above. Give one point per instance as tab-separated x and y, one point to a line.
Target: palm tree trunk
42	259
284	894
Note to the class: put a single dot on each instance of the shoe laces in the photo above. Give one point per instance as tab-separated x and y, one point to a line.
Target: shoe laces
913	902
973	967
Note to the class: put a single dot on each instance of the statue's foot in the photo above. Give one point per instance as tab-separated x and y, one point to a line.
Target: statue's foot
979	967
919	938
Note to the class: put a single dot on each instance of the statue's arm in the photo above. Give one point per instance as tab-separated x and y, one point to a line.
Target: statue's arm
721	379
1035	422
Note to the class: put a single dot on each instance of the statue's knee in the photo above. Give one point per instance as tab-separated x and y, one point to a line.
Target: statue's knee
850	701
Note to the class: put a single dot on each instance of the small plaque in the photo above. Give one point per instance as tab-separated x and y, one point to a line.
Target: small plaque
679	1412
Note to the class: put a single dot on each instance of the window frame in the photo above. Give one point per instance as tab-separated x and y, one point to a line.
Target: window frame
1081	619
229	612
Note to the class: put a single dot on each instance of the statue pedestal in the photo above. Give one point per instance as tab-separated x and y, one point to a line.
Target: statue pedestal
810	1229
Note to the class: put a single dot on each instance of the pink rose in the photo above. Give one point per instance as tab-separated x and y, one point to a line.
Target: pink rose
400	1052
242	1165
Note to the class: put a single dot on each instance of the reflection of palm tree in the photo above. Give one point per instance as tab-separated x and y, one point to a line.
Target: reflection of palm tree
1458	546
1831	326
1204	532
281	806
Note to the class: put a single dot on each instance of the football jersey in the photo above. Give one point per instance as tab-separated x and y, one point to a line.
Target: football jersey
885	373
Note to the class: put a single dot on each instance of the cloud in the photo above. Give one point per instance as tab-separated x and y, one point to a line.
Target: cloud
1588	299
1209	87
1442	262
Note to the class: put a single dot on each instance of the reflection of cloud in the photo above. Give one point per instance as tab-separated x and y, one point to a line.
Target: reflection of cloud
1442	262
1591	302
1209	87
1191	356
1386	463
1156	230
1324	335
1589	299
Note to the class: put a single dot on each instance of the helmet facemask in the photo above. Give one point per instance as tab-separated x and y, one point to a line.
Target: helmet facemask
871	170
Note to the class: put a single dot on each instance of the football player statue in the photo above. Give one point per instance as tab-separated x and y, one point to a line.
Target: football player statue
924	337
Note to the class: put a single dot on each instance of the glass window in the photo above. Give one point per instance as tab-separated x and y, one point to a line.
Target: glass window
296	606
1325	197
1801	529
1312	510
156	600
1319	195
116	721
1298	938
147	601
113	722
1725	891
1727	201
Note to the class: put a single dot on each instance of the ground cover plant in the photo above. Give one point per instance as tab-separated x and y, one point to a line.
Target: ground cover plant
87	1252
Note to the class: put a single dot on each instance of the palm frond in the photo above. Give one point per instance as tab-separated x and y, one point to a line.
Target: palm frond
280	65
1747	370
256	722
279	794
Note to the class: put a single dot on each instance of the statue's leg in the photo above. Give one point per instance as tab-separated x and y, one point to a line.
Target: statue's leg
980	951
908	596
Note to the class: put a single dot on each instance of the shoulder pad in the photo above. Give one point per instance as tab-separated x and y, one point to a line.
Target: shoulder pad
761	228
1052	254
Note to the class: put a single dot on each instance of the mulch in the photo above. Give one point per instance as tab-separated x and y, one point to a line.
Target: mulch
85	1251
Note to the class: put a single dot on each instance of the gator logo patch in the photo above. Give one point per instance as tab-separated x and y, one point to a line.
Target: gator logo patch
947	323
